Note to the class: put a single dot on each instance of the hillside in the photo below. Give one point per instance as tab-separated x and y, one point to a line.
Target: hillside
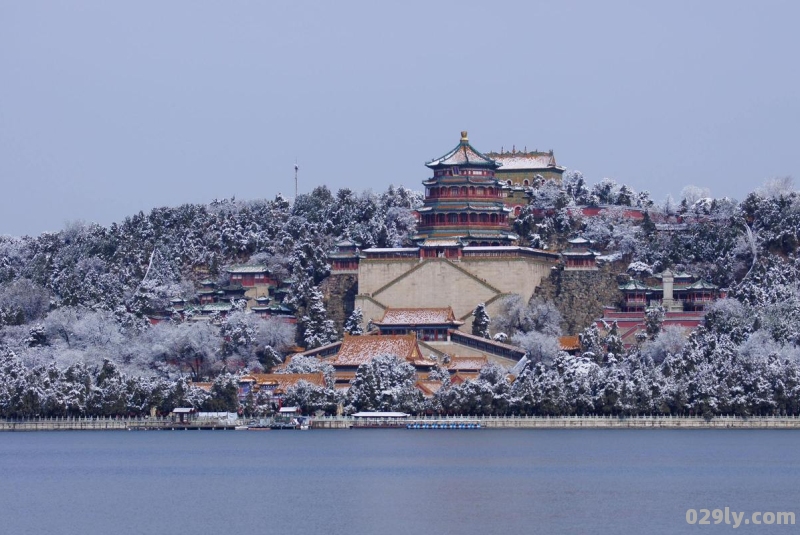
74	303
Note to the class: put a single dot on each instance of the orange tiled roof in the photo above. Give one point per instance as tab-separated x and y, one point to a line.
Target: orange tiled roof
357	350
460	377
569	343
283	381
428	388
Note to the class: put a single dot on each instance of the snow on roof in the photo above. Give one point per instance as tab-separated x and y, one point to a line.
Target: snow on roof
524	160
467	363
463	154
216	307
633	284
497	248
702	285
440	242
391	250
357	350
283	381
587	252
417	316
247	268
454	335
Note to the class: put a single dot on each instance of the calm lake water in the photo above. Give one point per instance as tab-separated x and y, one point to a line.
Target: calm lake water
393	481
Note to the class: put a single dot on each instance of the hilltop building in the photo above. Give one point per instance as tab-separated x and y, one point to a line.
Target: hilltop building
579	255
463	202
464	251
683	296
523	168
520	171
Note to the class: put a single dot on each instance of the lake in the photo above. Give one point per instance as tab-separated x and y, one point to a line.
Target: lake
393	481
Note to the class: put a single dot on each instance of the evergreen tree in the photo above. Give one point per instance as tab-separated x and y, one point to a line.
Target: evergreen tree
353	324
653	319
385	383
480	323
318	330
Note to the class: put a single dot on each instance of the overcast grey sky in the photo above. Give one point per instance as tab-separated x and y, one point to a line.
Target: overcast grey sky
108	108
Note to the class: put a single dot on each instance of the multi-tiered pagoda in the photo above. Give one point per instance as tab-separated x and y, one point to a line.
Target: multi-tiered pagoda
464	202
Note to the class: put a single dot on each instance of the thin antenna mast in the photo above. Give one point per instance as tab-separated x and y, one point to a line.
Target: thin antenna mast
295	178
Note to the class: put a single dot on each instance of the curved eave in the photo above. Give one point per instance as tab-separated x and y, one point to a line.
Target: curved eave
462	179
481	160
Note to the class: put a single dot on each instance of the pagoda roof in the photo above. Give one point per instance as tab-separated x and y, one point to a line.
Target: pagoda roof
675	275
634	285
463	154
702	285
460	180
461	205
442	242
585	252
214	307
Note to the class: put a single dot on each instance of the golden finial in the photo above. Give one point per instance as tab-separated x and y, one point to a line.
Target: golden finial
464	137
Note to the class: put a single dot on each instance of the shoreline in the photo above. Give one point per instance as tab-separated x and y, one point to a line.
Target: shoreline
344	422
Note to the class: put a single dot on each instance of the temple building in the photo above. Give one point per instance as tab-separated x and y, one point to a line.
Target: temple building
463	203
676	292
522	170
344	259
580	255
464	251
429	324
683	297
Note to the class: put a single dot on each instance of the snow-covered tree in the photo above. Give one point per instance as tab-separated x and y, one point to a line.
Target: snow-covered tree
318	329
480	321
537	315
385	383
353	324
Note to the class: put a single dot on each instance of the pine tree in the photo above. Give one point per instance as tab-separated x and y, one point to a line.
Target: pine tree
480	323
318	330
353	324
653	319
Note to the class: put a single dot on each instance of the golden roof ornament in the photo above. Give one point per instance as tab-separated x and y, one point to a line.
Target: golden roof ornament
464	138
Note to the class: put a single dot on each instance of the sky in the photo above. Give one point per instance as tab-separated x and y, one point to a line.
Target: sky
111	108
